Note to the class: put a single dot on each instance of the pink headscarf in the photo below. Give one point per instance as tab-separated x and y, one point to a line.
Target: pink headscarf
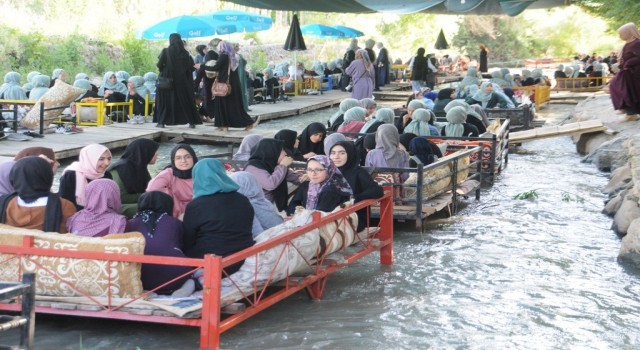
101	214
225	47
629	32
85	169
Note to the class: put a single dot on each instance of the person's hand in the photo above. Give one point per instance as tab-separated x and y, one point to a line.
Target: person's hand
303	178
308	155
196	66
406	118
107	93
286	161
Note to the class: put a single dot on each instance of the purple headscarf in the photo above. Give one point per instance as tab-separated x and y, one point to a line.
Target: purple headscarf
225	47
334	178
101	213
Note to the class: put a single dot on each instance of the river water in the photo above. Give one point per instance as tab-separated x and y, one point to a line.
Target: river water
504	273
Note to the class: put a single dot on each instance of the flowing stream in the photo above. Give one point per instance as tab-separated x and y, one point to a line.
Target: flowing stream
504	273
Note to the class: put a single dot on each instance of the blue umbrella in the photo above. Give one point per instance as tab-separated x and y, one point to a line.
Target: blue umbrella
349	32
186	26
321	31
234	21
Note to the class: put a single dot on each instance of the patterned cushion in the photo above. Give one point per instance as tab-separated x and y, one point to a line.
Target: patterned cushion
61	94
429	189
463	163
89	276
337	234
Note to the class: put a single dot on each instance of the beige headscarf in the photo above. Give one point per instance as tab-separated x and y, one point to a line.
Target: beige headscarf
629	32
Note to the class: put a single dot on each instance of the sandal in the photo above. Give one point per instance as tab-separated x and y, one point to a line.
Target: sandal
255	123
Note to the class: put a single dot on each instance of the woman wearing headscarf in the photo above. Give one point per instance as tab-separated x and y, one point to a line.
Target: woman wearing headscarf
625	86
101	214
325	190
246	146
484	52
150	79
349	57
331	140
40	87
85	85
370	106
362	76
488	98
559	72
476	116
311	141
218	232
228	110
470	78
418	66
12	90
163	235
509	79
289	140
596	75
5	181
498	78
176	105
33	206
382	63
457	126
111	89
42	152
345	157
92	164
176	180
353	120
444	97
527	79
131	173
137	93
382	116
425	150
199	58
58	74
271	85
405	141
264	214
422	123
387	153
269	163
405	118
338	118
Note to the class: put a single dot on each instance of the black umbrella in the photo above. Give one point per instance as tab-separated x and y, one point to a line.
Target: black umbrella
441	43
295	41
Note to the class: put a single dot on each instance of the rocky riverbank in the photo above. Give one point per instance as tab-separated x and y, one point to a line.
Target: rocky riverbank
616	151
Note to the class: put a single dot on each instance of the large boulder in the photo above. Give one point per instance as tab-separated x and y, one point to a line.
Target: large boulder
614	204
628	211
630	248
609	155
620	179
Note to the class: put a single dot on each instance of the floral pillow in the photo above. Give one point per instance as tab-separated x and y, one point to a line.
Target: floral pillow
61	94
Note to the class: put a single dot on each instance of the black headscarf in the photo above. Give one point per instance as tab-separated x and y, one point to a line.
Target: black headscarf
200	49
152	206
348	170
445	94
265	156
32	178
132	166
288	137
306	145
405	140
183	174
425	150
369	141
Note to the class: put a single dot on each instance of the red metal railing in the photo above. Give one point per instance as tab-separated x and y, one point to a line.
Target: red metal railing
211	323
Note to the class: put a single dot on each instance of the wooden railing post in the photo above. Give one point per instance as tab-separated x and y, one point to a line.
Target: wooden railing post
210	323
386	227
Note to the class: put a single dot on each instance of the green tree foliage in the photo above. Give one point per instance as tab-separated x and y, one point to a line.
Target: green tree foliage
615	12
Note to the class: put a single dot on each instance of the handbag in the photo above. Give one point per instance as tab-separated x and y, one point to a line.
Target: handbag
164	83
211	74
222	89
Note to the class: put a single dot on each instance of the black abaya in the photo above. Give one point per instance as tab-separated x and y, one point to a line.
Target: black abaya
228	110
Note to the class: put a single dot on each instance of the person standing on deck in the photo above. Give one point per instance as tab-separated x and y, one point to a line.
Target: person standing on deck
484	64
625	86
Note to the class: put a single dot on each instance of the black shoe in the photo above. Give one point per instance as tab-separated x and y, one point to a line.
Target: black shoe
159	125
33	134
192	126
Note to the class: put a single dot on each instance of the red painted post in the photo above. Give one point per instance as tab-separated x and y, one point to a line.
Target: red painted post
386	227
210	323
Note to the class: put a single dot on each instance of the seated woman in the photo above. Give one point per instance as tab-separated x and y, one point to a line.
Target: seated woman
353	120
5	180
332	68
101	214
86	85
444	97
559	73
84	76
422	123
269	163
176	179
596	74
338	118
289	140
425	150
497	78
58	74
382	116
111	89
40	87
12	89
331	140
271	86
92	164
150	80
264	213
311	141
325	190
527	79
475	114
405	118
246	146
163	235
122	76
219	231
344	156
33	206
488	99
457	126
131	173
137	93
387	153
370	106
